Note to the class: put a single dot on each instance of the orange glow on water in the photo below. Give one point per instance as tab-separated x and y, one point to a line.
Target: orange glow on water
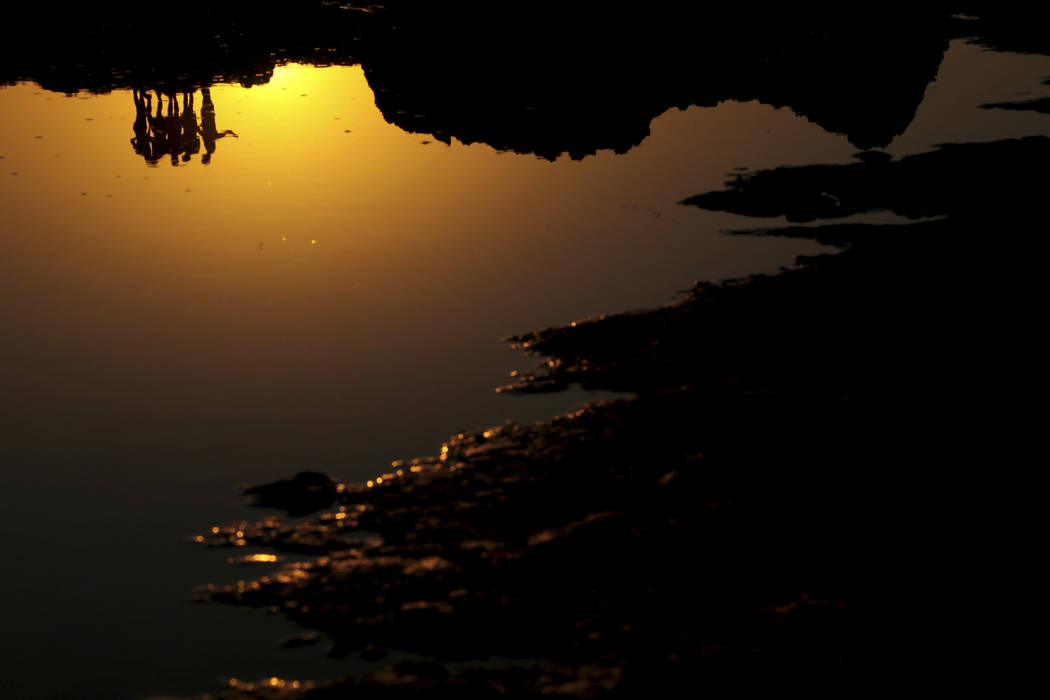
259	558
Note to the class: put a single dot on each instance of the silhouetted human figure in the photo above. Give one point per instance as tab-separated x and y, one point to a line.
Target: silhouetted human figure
207	130
142	141
173	129
189	139
165	130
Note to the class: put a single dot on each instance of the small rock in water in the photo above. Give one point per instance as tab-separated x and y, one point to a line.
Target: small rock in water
306	492
300	640
873	156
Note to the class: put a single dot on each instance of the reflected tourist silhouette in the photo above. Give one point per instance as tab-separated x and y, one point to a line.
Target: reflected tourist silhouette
170	132
141	141
190	142
207	129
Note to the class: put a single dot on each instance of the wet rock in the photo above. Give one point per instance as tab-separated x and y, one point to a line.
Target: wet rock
469	567
306	492
954	179
1037	105
423	679
301	640
254	559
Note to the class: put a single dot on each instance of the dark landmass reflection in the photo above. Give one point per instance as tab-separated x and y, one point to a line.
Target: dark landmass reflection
588	81
574	80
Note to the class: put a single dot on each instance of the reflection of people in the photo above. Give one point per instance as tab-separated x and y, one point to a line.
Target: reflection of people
189	141
174	134
164	130
142	141
208	131
172	128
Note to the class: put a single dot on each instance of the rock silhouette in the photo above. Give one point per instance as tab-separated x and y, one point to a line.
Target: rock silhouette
954	179
827	67
1041	104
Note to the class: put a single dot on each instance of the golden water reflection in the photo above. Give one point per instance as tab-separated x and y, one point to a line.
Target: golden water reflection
327	274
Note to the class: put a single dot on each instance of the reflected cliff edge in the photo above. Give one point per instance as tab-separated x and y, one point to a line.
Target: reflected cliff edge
570	82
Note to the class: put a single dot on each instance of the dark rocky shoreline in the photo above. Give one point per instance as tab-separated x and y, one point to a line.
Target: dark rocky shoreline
731	520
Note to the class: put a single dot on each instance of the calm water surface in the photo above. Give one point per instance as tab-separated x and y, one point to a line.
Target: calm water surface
329	293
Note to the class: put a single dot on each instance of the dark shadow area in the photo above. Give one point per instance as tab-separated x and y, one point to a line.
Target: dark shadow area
975	179
1002	27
